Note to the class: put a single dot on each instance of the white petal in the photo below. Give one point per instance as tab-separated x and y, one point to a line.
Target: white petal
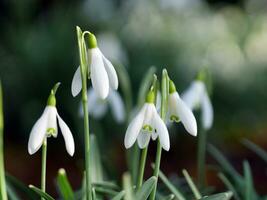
186	116
117	106
154	135
52	119
67	135
112	75
207	111
192	95
99	75
134	128
76	85
162	132
143	139
38	133
158	102
97	107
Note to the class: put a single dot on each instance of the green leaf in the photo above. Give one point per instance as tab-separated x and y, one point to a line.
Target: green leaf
127	186
21	187
119	196
106	191
169	197
170	186
221	196
144	192
106	184
64	185
229	185
192	185
249	185
41	193
96	169
12	194
253	147
225	164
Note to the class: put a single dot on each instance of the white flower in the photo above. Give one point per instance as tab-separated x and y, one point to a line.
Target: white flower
145	125
197	96
101	71
46	126
98	107
178	110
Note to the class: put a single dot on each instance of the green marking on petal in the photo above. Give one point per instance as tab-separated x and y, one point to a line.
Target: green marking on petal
147	128
51	132
174	118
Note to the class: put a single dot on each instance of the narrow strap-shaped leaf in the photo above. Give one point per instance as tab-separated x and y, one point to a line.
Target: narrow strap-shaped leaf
257	149
64	185
119	196
93	193
169	197
229	185
225	164
192	184
41	193
220	196
106	191
170	186
144	192
127	186
106	184
17	184
249	185
11	193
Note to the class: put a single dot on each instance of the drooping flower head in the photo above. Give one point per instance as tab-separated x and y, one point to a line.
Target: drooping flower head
179	111
46	126
146	124
98	107
100	70
196	96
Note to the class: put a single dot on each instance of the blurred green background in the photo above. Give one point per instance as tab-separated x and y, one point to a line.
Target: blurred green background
38	47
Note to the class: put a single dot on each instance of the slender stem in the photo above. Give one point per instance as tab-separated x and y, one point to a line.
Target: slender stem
43	176
192	185
163	110
201	158
2	167
84	73
142	168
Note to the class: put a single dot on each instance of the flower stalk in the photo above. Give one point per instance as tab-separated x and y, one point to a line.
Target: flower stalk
201	158
2	167
84	74
43	174
163	111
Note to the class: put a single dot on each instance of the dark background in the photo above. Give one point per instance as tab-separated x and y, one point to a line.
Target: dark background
38	47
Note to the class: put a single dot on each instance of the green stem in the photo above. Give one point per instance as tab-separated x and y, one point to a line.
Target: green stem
2	167
84	73
163	111
201	158
142	168
43	175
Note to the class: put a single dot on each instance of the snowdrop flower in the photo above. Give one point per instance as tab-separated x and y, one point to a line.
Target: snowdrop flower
101	71
46	126
98	107
197	96
146	124
179	111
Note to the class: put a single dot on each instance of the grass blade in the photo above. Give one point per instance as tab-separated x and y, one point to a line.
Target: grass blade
221	196
191	184
3	191
147	187
127	185
249	186
253	147
169	197
229	185
106	184
170	186
41	193
119	196
12	194
64	185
